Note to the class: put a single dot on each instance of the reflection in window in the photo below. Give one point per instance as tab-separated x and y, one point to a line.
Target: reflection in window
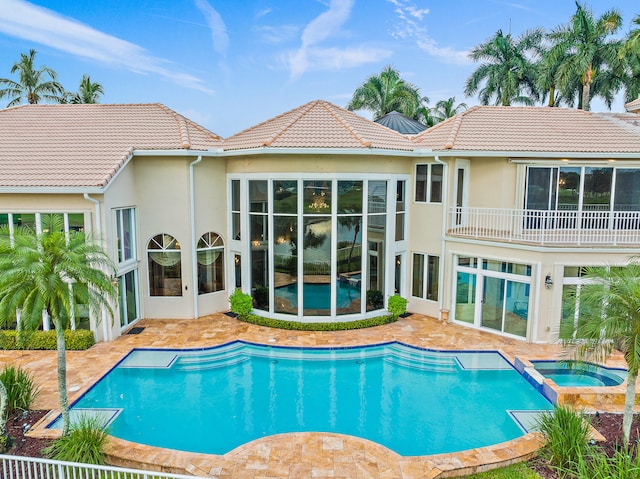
259	238
165	272
210	251
349	247
376	232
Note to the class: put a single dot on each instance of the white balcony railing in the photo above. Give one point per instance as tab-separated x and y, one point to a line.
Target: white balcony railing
562	227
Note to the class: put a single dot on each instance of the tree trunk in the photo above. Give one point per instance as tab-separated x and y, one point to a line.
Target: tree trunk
586	88
552	96
62	378
629	402
4	440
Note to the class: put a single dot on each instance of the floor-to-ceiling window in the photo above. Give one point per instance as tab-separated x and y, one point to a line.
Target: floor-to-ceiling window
127	265
493	294
319	246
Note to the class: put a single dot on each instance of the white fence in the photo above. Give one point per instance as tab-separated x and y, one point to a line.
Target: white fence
18	467
546	226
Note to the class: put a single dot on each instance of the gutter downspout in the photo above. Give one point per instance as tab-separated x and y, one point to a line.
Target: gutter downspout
105	329
445	198
194	252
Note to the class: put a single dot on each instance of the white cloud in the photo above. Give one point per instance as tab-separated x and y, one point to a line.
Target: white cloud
262	13
410	27
281	34
37	24
319	59
311	56
216	25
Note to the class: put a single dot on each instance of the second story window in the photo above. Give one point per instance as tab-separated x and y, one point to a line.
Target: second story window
429	183
125	234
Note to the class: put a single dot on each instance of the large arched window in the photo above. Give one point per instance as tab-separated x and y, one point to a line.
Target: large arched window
210	263
165	266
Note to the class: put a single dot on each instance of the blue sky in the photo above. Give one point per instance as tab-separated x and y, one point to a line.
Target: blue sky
231	64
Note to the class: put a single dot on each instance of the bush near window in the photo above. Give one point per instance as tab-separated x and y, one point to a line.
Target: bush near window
241	303
78	340
338	326
397	305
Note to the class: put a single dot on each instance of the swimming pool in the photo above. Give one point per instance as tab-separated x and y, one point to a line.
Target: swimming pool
579	373
411	400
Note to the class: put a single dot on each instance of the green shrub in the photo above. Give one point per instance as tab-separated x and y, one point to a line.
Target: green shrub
21	388
397	305
241	303
566	438
84	443
77	340
297	326
597	465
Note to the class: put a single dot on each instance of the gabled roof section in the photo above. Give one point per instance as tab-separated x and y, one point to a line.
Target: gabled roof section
633	106
318	124
85	145
531	129
401	123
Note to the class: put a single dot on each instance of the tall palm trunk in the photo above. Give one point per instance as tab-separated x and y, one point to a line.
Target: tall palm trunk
62	378
587	78
4	438
552	96
629	402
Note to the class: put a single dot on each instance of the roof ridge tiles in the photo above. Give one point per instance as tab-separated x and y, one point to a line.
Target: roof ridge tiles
457	123
280	132
364	143
183	129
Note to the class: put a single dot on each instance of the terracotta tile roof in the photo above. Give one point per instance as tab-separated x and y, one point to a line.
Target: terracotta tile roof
318	124
532	129
633	106
84	145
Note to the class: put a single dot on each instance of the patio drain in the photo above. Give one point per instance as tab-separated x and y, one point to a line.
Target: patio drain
136	330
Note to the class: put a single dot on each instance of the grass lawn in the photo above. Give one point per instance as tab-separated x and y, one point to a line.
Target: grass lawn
517	471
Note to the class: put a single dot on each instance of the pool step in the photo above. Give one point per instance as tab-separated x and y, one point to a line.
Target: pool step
436	367
424	357
211	363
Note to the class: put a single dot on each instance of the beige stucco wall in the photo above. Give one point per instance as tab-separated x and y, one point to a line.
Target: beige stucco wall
492	183
211	215
321	164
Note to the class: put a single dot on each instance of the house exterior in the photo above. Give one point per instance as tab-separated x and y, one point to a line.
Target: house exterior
484	220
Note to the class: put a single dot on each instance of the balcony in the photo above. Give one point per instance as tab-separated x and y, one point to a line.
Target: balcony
546	227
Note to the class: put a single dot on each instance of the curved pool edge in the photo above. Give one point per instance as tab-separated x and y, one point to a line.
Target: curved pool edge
311	454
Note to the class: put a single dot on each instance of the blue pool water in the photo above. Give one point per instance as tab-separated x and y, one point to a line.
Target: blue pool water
413	401
318	296
579	374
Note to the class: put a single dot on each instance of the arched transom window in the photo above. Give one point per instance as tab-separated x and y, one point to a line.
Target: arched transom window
165	266
210	250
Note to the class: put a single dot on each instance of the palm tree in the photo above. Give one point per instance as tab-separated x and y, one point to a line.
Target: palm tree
445	109
32	85
508	73
583	49
610	317
52	273
630	53
387	92
88	92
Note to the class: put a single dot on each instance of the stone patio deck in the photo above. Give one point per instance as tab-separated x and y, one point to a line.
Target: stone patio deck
286	456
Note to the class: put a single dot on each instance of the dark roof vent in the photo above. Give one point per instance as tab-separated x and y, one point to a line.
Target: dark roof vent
401	123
